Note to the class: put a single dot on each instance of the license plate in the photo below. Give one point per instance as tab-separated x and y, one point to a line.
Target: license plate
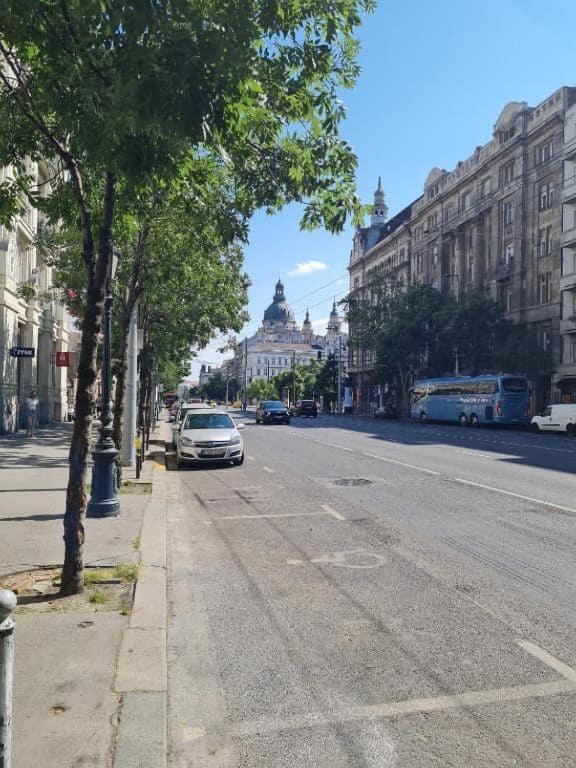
212	452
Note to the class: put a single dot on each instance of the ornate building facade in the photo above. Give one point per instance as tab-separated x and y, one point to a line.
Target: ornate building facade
280	343
31	318
503	222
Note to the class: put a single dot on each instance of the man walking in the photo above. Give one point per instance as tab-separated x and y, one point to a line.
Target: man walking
31	405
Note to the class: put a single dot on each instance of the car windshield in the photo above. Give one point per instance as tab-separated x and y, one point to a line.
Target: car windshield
208	421
273	405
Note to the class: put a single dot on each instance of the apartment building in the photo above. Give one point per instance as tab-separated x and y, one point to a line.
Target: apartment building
30	318
503	222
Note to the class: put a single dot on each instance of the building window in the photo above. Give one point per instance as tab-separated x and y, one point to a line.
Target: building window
356	282
545	339
508	254
508	212
466	201
448	212
544	241
258	361
485	187
285	361
546	195
419	233
419	262
432	192
433	222
545	288
573	348
257	371
507	172
435	256
507	134
544	152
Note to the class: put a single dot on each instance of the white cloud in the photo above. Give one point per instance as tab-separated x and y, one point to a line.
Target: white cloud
320	324
306	267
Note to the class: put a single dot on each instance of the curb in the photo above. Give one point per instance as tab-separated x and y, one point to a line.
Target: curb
142	675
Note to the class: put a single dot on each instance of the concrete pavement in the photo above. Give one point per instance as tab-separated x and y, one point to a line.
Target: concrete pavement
71	702
383	594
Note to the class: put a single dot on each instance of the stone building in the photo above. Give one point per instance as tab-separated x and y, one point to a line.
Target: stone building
279	343
501	222
29	317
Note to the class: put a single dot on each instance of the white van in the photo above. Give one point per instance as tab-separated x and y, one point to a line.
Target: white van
556	418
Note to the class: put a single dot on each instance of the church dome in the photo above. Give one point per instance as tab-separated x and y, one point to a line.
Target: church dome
279	311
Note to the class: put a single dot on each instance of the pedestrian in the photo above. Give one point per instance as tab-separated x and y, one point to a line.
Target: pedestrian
31	406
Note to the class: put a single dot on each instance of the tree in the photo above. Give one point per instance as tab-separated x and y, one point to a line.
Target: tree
262	389
327	382
118	93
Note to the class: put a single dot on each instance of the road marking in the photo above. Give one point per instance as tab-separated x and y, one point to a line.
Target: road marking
251	458
515	495
267	469
342	716
474	453
551	661
346	559
401	463
259	517
332	512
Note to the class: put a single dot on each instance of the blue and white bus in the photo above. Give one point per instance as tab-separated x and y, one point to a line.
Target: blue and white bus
472	400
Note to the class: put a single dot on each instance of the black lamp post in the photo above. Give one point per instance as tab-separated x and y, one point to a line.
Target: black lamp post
104	499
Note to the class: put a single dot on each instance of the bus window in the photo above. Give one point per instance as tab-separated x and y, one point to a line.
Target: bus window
515	385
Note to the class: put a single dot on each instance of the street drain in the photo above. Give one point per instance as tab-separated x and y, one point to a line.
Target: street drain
351	481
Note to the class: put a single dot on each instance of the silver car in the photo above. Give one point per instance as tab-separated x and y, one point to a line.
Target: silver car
208	435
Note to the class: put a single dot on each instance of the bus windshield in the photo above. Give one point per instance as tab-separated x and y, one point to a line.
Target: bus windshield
515	385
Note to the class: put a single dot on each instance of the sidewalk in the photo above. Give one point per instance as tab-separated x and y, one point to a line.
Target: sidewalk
65	704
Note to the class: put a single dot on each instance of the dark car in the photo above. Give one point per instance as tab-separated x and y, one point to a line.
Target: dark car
272	412
307	408
386	412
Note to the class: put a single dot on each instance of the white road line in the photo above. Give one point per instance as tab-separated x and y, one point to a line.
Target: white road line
267	469
259	517
474	453
401	463
398	708
551	661
515	495
332	512
251	458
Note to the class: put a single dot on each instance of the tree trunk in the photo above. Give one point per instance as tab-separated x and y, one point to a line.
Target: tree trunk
72	580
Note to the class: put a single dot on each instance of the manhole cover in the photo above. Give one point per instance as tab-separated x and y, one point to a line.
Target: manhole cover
351	481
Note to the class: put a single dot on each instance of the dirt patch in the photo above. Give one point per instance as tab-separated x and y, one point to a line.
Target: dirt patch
37	592
138	488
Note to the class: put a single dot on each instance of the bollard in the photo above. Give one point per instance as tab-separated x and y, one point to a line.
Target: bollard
7	605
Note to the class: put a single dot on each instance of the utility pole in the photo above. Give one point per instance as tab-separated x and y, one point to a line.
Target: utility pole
293	377
128	450
456	362
245	403
339	375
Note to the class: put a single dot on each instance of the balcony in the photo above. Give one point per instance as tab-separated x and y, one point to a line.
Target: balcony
568	238
569	189
504	269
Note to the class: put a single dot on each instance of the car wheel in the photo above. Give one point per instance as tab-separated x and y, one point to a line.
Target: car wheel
463	420
474	420
570	430
239	462
423	417
534	427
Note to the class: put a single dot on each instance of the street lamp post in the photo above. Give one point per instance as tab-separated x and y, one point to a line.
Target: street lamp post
103	498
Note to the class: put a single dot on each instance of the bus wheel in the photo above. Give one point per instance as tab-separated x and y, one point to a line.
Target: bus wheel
463	420
474	420
423	418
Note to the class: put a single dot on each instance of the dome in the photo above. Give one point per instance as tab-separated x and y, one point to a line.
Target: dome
279	312
334	314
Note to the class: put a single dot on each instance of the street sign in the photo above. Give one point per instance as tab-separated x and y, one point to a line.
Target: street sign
22	351
62	359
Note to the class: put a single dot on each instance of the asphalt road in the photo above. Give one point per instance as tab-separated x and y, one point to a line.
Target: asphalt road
374	594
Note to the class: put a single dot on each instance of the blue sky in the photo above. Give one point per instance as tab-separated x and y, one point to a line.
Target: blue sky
435	76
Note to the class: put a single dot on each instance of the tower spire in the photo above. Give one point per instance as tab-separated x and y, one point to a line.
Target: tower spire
379	208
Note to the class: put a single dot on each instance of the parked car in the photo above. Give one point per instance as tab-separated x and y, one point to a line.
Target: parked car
387	411
307	408
556	418
207	435
71	412
182	411
272	412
